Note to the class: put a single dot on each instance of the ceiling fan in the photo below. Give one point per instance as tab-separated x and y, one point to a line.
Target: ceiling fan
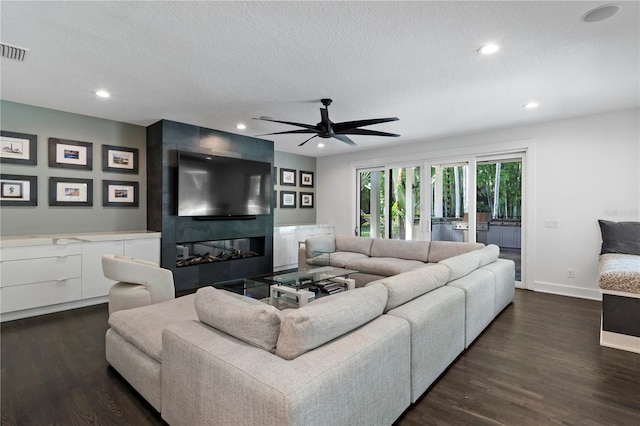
328	129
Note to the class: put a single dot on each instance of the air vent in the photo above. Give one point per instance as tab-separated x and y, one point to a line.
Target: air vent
12	52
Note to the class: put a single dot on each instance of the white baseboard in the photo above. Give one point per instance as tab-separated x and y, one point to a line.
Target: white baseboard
565	290
620	341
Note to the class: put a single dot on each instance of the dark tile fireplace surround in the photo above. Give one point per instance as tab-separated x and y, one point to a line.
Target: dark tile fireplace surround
234	249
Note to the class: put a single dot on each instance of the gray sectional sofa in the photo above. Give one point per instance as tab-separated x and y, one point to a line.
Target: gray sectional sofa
357	357
376	258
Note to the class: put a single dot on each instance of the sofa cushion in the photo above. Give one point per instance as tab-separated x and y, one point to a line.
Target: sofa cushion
620	237
354	244
242	317
327	318
488	254
385	266
400	249
440	250
620	272
142	327
409	285
320	244
462	264
342	258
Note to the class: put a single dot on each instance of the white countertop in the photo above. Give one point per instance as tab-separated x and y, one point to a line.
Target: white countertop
71	238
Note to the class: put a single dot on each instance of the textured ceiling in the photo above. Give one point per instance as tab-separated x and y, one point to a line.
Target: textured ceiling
215	64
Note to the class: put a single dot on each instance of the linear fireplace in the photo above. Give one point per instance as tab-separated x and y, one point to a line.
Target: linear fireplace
201	252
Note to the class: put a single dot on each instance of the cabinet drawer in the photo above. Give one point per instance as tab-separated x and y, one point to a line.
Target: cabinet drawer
17	272
36	252
28	296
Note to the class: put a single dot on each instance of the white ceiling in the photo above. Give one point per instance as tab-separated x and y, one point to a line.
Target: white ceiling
215	64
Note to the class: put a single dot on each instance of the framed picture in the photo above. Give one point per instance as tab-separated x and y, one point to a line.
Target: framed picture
119	193
119	159
70	192
287	199
306	179
306	200
18	148
287	177
18	190
70	154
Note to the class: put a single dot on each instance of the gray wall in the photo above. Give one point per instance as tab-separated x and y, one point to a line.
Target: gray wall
295	216
43	219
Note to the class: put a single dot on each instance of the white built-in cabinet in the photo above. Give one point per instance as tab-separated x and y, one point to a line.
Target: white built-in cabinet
43	274
286	239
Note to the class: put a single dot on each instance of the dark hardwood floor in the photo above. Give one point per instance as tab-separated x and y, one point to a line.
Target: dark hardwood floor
538	363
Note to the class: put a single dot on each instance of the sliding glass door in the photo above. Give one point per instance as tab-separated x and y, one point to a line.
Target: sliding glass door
389	203
371	203
449	205
499	206
492	188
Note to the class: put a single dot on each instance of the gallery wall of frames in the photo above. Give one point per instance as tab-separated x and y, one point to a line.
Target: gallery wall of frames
22	190
294	180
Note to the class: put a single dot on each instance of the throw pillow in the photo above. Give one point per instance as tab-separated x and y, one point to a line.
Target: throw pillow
244	318
328	318
620	237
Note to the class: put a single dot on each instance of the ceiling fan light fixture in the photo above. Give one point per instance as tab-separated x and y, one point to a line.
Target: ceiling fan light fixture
326	128
320	145
489	49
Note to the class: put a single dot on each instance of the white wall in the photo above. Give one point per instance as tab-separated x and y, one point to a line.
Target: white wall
580	170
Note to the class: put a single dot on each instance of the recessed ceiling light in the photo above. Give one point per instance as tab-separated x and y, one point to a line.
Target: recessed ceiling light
241	126
601	13
103	93
530	105
488	49
320	145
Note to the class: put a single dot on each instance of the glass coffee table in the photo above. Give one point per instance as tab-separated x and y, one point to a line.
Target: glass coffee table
299	288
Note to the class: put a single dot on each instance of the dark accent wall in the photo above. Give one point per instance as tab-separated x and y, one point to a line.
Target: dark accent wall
164	139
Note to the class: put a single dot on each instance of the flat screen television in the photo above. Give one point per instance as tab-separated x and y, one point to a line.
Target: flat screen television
212	186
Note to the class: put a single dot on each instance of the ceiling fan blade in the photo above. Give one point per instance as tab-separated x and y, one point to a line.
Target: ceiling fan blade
291	123
367	132
345	139
346	125
290	132
314	136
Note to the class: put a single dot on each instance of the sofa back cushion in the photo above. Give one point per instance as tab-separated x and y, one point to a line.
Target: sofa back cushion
320	244
400	249
440	250
489	254
407	286
354	244
328	318
462	264
242	317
